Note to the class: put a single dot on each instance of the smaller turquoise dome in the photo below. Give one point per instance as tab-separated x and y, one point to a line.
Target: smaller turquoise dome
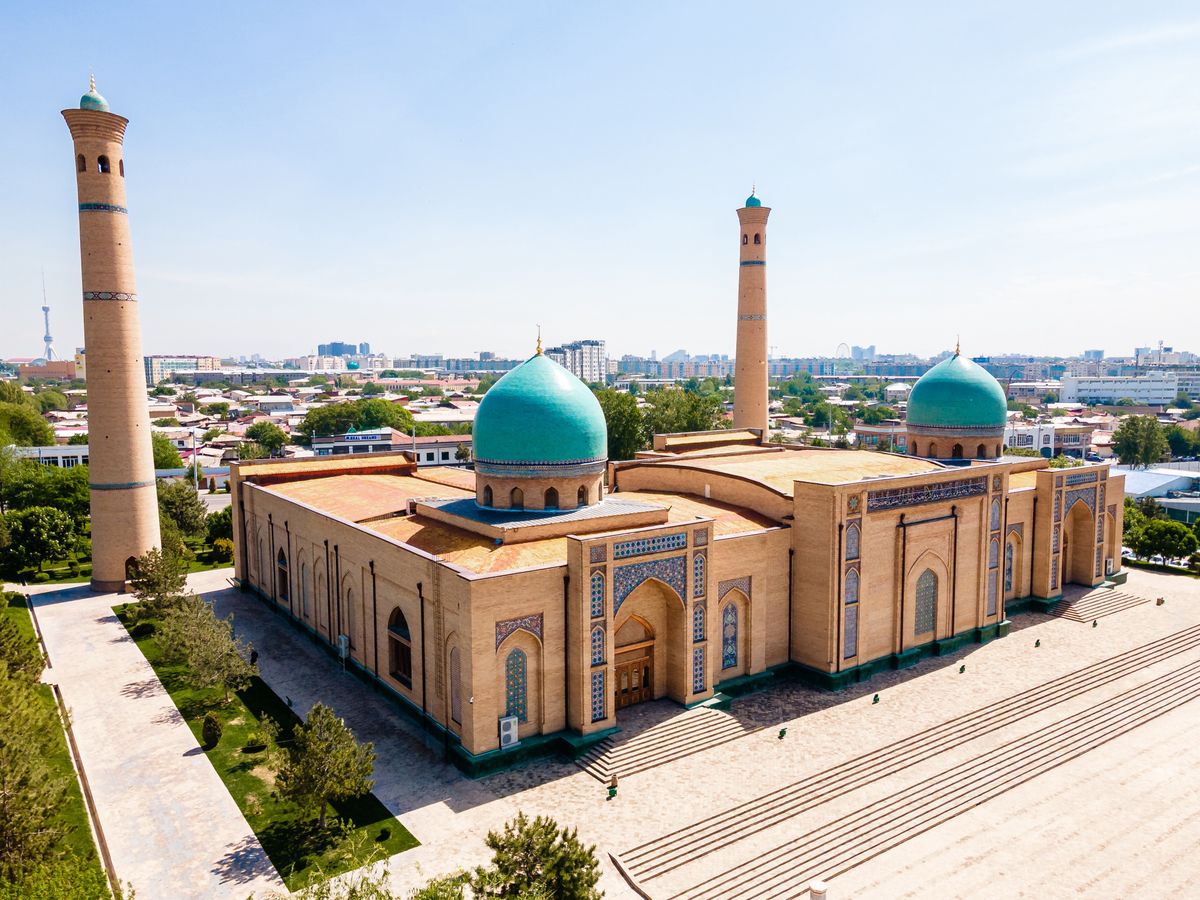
957	393
93	100
753	201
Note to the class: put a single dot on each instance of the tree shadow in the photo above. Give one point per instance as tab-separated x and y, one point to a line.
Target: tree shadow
243	862
150	687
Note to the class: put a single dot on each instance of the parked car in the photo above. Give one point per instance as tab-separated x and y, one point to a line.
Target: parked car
1126	553
1157	559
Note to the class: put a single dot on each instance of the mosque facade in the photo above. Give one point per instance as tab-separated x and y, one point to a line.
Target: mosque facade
522	606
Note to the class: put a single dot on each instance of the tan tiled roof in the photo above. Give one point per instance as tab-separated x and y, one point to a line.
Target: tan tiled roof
359	497
779	470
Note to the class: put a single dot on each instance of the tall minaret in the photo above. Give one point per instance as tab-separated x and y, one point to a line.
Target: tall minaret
120	455
750	373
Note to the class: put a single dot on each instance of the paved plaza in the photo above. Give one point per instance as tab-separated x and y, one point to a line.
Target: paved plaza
1065	769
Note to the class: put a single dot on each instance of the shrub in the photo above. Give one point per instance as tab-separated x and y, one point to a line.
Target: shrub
211	731
254	742
41	577
222	550
142	629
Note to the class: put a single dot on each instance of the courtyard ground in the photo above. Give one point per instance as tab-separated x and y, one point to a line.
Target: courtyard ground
1013	777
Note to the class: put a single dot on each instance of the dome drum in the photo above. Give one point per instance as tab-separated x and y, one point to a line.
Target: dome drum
956	410
550	494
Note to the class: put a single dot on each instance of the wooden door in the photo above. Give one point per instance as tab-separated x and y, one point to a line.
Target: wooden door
635	679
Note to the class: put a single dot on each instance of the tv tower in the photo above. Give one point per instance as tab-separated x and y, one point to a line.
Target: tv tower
48	353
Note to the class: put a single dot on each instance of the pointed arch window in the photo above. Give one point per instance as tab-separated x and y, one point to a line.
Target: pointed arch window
81	163
455	686
1008	567
927	595
597	595
102	165
281	576
850	632
994	553
305	593
698	623
597	646
550	499
516	685
996	514
698	575
729	636
516	499
487	495
581	497
758	239
853	542
399	648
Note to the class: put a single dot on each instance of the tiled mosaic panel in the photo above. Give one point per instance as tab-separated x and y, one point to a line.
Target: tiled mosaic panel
698	670
701	537
597	645
1008	568
698	575
597	595
741	584
516	682
1054	574
851	589
729	636
598	553
850	638
927	493
643	546
994	553
698	622
996	514
853	541
1081	478
599	696
531	623
1087	495
927	590
991	594
1099	561
1054	538
1057	507
671	571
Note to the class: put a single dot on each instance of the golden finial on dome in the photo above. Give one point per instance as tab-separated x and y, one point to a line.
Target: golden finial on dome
539	341
957	344
91	81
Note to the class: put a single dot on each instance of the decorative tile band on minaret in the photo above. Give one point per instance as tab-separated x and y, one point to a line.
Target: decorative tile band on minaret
124	503
750	370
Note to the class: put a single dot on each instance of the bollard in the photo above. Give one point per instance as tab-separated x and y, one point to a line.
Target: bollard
817	890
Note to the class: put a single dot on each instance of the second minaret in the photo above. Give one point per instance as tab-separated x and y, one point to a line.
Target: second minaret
750	372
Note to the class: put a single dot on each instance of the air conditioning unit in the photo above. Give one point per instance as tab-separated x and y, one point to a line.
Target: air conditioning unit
343	646
508	732
1109	566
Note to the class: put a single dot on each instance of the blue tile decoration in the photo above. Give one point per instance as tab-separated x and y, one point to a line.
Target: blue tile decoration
1087	495
896	498
597	595
991	594
701	537
1099	529
698	577
1101	502
108	295
598	553
671	571
1099	560
996	482
597	646
927	595
994	553
1081	478
644	546
1008	568
532	624
1054	538
1054	574
996	514
850	635
742	584
599	696
1017	528
698	634
516	685
103	207
698	670
850	592
729	636
853	541
1057	507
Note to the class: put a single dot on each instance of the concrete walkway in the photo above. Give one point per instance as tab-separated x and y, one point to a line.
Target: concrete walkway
171	826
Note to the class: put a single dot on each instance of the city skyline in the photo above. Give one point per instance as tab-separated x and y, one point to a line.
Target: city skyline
462	181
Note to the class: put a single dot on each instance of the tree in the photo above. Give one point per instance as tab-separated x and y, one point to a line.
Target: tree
462	452
31	790
337	418
220	409
672	411
212	434
326	764
531	858
179	502
159	581
626	430
19	656
37	534
1166	538
77	440
24	426
1182	442
214	657
165	454
371	388
268	435
50	400
11	392
220	524
166	423
26	482
1139	441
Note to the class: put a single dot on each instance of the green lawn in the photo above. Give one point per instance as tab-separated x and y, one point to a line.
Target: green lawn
59	571
73	815
300	852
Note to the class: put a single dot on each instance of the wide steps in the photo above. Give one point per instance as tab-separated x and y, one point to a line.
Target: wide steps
1097	604
689	844
687	733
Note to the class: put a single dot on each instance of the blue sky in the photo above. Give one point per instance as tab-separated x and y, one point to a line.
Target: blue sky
442	177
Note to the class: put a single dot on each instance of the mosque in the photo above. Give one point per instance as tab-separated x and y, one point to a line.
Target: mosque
518	608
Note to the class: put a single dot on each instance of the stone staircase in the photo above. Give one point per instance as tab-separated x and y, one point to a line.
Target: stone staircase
1097	604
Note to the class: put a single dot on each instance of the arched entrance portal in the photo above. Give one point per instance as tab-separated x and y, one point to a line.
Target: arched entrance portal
1079	545
649	646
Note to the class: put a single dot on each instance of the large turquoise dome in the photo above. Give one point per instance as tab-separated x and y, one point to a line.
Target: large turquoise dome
539	420
957	394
